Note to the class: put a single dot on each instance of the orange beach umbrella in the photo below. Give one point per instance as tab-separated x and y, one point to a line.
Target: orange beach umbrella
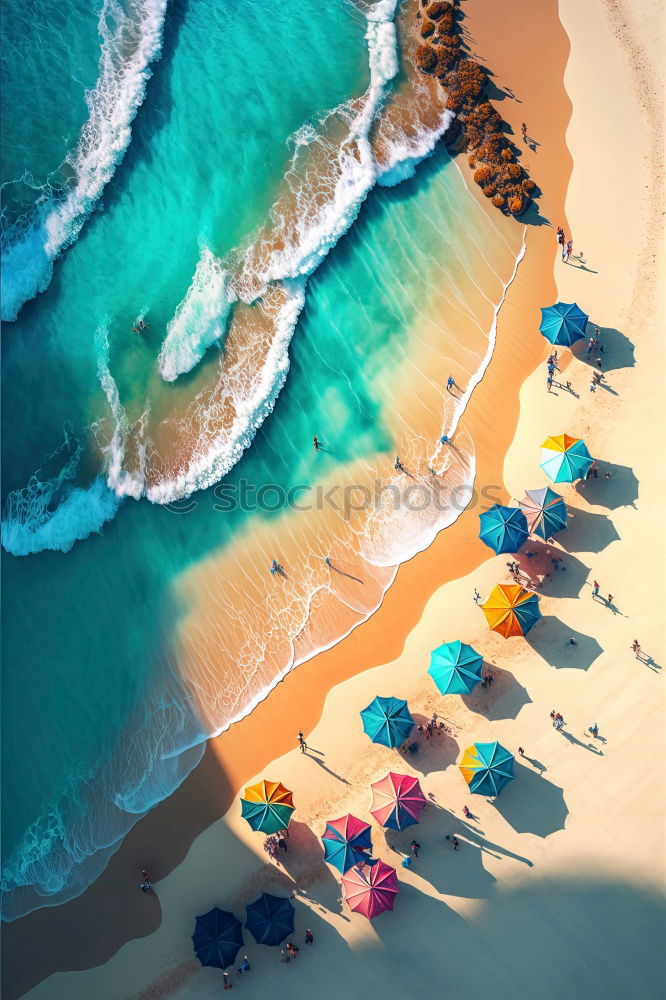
511	610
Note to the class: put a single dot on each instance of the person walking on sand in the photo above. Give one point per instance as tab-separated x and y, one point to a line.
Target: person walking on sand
301	741
397	465
594	729
146	884
226	979
415	848
523	129
308	936
636	647
549	382
595	589
609	600
477	596
521	751
244	966
569	250
450	382
593	386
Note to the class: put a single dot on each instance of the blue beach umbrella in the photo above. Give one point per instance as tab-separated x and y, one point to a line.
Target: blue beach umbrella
487	768
563	324
565	459
545	512
387	721
455	667
270	919
217	938
503	529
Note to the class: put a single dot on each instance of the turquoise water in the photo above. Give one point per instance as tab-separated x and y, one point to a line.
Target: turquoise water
97	722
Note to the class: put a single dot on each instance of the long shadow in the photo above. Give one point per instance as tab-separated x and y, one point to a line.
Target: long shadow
587	531
570	738
532	804
502	700
620	490
618	350
320	763
550	639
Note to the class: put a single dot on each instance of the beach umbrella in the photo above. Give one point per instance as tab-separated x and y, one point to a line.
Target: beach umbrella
397	801
370	888
545	511
267	806
217	938
503	529
455	667
511	610
270	919
565	458
387	721
487	768
563	324
346	841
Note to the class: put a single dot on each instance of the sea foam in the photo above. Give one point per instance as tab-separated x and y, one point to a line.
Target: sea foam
131	40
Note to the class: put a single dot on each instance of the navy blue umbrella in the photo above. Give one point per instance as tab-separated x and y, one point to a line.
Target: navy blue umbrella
217	938
270	919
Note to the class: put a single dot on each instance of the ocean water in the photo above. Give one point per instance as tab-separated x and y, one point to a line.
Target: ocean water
248	181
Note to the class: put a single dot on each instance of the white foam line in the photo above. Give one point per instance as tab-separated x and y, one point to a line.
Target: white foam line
492	339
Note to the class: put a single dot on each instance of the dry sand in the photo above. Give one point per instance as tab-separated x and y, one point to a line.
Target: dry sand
559	884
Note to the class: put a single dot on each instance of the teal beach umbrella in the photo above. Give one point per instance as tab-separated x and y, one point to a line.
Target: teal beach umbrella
503	529
563	324
387	721
565	459
455	667
487	768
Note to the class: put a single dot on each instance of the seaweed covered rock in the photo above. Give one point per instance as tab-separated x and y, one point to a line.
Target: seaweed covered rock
440	8
426	59
483	174
516	204
499	201
427	29
528	185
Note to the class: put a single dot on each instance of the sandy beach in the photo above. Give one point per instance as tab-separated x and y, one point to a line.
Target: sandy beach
558	884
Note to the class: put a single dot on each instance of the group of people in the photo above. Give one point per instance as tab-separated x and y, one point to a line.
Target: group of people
558	720
275	843
565	244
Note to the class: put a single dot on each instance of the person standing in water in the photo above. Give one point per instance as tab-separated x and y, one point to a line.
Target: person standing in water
315	442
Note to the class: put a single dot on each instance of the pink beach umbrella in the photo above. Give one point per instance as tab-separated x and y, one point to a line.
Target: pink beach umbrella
397	801
370	888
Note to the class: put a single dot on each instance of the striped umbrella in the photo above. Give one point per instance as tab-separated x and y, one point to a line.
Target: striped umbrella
370	888
267	806
511	610
346	841
487	768
545	511
397	801
565	458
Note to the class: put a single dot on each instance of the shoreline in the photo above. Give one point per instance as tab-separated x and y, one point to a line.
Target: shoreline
234	756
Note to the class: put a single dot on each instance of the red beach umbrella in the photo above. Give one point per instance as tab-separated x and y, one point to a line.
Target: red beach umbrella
397	800
370	888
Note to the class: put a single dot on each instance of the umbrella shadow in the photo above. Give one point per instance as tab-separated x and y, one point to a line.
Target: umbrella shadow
565	581
619	490
532	804
435	753
618	350
587	532
550	639
501	700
